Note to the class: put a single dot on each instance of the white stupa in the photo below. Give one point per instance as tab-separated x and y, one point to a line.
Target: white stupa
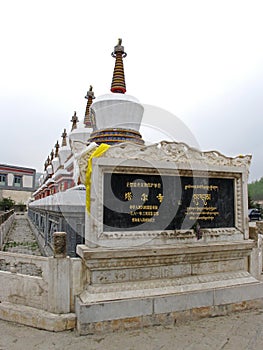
81	132
117	116
56	162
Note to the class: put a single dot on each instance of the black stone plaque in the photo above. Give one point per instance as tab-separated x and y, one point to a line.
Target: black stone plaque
137	202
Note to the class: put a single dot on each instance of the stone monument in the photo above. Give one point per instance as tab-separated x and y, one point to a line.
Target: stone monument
166	227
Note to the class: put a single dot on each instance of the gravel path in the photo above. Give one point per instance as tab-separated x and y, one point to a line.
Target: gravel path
20	238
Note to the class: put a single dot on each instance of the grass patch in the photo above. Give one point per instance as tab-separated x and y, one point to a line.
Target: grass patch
12	244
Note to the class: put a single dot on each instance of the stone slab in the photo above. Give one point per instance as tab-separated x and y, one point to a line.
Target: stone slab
211	300
112	310
160	288
238	293
166	319
184	301
197	248
36	318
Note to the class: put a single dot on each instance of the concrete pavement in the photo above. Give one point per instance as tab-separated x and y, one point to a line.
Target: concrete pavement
242	331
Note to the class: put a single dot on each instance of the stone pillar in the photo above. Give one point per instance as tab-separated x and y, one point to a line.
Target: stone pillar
259	228
256	233
59	276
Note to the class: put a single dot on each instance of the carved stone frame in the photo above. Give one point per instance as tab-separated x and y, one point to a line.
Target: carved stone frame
156	159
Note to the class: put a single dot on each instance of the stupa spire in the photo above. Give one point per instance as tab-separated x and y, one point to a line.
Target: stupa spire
56	149
90	96
118	80
45	165
51	155
64	138
74	121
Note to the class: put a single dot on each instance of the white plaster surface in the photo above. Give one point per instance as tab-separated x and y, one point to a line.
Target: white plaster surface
28	181
64	153
17	196
10	179
117	111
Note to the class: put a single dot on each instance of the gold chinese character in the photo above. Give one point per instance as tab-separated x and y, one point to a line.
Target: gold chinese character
128	196
160	197
144	197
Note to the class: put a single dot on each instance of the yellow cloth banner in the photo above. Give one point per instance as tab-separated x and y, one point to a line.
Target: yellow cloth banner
97	153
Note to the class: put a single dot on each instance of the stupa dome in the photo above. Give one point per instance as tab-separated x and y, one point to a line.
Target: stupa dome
81	133
117	110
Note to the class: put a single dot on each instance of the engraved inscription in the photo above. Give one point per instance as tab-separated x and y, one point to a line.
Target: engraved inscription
137	274
150	202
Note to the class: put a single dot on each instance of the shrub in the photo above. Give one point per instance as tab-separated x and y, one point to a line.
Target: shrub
6	204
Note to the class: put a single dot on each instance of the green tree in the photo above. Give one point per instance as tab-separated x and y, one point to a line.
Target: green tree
6	203
251	203
255	190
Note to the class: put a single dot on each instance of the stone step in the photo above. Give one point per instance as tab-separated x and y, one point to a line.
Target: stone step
37	318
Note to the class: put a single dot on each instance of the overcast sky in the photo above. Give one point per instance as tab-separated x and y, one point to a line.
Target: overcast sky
201	61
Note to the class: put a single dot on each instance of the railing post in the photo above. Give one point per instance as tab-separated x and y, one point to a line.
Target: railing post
60	244
259	230
59	276
6	220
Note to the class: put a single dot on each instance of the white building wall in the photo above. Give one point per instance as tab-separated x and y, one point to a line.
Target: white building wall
17	196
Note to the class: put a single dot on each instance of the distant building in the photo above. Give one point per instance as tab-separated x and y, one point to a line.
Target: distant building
17	183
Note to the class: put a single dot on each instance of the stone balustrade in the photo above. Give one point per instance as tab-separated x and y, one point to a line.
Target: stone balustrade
40	291
6	220
5	215
45	222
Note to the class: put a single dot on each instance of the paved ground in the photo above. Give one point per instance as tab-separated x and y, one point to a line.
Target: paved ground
20	238
238	331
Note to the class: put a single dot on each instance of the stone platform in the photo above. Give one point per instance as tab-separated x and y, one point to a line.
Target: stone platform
148	286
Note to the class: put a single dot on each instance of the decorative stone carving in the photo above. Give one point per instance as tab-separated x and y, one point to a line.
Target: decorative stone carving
175	152
165	283
168	152
60	244
82	161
